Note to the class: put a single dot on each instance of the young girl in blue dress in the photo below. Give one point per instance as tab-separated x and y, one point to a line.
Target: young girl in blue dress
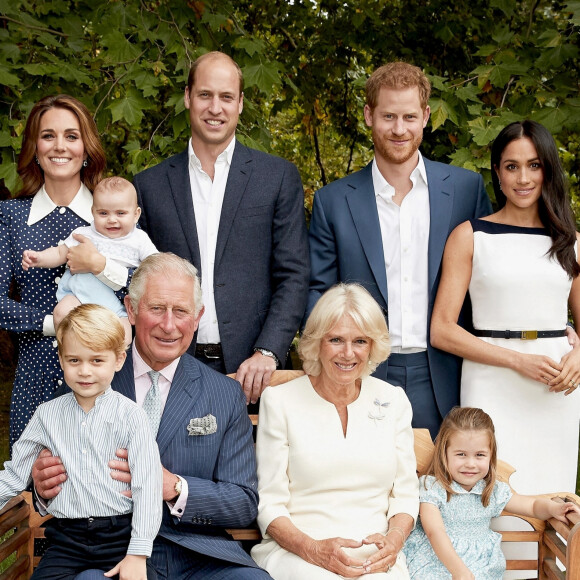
453	538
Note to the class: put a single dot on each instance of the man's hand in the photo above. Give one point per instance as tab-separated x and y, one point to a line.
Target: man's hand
120	469
169	481
85	257
254	375
48	473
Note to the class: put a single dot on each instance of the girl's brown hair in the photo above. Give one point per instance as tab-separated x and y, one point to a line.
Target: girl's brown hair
463	419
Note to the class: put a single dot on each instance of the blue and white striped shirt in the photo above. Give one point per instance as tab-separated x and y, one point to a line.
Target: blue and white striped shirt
86	442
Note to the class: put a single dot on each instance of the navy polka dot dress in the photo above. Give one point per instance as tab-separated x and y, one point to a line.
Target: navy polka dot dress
38	374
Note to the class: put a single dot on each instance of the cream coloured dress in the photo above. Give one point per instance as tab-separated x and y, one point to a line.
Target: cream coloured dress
331	485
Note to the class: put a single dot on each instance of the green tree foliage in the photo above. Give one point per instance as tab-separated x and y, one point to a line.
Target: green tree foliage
304	63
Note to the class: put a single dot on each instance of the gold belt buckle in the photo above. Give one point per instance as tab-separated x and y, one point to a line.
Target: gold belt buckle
529	334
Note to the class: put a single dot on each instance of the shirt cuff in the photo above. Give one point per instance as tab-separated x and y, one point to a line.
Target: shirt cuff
140	547
177	508
114	275
41	504
48	326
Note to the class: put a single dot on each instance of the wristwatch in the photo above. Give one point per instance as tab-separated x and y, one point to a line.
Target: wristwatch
178	487
269	353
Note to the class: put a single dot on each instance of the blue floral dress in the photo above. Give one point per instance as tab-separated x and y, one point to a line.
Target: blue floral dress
467	525
38	373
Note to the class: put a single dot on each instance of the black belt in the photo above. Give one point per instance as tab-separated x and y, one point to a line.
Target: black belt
521	334
211	351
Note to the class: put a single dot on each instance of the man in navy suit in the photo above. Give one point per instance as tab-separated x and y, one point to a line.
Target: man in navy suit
237	214
204	433
385	227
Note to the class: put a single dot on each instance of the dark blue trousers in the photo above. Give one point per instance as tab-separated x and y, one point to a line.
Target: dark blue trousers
411	372
76	545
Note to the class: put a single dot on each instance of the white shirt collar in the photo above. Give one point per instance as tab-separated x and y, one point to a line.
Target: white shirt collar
140	367
385	189
42	205
225	155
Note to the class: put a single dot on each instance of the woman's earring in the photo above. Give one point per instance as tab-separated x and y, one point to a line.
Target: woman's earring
37	161
85	163
499	183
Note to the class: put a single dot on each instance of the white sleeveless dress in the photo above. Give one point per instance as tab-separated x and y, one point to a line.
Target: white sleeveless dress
516	286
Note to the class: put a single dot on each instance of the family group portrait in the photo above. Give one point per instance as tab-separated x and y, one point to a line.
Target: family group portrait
289	290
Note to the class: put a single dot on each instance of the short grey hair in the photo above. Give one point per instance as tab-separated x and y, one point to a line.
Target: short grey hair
344	300
169	265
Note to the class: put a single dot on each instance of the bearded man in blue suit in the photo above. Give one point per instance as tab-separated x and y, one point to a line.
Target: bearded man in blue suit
385	227
237	214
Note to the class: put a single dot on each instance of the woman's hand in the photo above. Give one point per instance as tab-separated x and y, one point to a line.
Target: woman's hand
85	258
329	554
388	548
536	367
568	378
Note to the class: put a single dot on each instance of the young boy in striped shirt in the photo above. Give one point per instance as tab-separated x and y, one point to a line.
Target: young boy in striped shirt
95	526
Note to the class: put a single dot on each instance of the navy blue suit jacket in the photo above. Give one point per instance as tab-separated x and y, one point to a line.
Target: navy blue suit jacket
261	264
346	246
220	469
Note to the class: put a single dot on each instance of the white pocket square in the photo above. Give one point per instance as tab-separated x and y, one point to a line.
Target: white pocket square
202	425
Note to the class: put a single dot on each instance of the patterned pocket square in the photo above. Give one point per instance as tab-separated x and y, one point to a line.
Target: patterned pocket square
202	425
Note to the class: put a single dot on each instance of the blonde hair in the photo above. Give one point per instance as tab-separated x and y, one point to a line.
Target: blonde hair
116	185
169	265
397	75
344	300
463	419
95	327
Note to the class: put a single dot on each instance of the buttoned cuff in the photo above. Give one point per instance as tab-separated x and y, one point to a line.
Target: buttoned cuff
140	547
41	504
178	507
114	275
48	326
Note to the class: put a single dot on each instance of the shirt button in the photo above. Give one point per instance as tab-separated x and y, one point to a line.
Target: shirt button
62	210
54	344
84	451
57	280
84	424
59	382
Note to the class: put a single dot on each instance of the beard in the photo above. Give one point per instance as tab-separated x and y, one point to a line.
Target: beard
395	154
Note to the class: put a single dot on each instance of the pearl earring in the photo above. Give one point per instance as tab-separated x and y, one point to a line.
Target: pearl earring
85	163
37	161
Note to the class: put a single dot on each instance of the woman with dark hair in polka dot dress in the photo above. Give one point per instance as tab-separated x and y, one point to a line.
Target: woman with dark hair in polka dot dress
61	161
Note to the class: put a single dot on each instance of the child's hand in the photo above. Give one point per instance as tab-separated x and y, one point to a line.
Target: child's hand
29	259
559	510
130	568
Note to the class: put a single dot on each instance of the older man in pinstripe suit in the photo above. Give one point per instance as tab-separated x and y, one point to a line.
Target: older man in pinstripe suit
204	437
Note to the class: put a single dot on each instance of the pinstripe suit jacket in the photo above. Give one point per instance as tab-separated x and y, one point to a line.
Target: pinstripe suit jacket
220	469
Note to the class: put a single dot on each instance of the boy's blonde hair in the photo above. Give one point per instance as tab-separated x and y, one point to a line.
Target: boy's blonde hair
95	327
463	419
115	184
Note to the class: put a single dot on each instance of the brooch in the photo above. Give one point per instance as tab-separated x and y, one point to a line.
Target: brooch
378	414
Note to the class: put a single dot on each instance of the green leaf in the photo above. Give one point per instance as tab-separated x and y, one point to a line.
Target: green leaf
118	48
264	76
252	46
7	78
574	8
483	131
129	107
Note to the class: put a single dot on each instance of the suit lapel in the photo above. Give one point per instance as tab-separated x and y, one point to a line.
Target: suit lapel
185	390
239	175
178	175
441	192
124	382
363	208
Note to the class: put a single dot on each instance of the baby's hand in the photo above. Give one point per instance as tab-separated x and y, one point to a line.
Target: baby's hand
29	259
130	568
559	510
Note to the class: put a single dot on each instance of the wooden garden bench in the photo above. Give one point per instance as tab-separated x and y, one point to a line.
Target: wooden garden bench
20	526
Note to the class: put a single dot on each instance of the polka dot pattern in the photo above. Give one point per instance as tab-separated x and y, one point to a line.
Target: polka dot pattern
38	374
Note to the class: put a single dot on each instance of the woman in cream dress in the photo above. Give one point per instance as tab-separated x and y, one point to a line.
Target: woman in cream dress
336	467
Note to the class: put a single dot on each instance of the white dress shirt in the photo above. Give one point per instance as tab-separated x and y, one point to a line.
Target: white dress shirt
405	236
208	197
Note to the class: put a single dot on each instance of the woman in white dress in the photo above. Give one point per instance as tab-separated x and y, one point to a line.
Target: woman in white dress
520	267
336	466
